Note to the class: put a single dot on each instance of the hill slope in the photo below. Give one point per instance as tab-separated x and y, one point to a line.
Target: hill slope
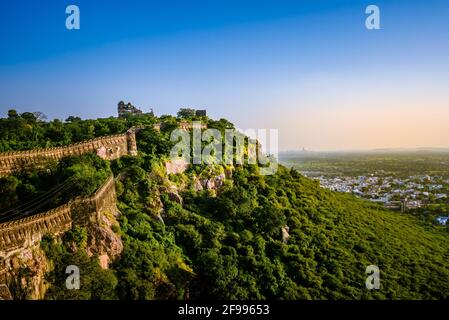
231	238
220	232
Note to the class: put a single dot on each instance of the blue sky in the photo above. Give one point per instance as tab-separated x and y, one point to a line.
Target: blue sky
309	68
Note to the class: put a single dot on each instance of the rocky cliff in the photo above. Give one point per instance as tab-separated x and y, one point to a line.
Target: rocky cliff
23	264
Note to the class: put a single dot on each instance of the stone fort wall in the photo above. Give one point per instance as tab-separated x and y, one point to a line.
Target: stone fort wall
82	211
93	212
109	148
17	234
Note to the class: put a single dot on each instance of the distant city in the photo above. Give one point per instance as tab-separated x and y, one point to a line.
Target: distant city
405	180
410	193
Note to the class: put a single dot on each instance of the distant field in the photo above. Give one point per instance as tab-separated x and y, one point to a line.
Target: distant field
399	164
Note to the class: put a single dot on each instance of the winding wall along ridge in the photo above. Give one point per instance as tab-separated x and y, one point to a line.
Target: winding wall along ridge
26	232
109	148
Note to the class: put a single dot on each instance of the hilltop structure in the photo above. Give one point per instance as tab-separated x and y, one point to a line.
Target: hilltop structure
190	113
128	109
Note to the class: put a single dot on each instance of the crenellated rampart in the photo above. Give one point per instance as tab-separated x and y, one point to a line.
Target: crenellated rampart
82	211
97	213
109	148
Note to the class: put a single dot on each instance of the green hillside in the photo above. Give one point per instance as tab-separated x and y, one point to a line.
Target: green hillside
181	242
233	243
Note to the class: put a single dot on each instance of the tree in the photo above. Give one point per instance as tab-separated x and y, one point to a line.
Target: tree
12	114
221	124
29	116
40	116
186	113
72	119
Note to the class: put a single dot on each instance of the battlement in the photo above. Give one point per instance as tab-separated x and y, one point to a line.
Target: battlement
27	232
109	148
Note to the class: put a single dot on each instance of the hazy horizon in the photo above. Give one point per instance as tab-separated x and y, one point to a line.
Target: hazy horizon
378	150
308	68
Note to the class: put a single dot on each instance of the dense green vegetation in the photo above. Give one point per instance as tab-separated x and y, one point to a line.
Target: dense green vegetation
233	242
181	242
30	130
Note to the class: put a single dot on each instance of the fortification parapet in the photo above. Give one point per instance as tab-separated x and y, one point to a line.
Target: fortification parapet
19	234
109	148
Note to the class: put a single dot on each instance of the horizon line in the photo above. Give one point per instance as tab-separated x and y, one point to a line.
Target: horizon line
386	149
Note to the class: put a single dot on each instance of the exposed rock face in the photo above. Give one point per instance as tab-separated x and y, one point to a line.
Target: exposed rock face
176	166
214	183
26	270
228	173
23	264
102	240
174	195
104	243
4	292
197	186
285	234
25	275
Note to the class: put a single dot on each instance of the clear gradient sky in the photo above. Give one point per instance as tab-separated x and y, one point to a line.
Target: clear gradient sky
309	68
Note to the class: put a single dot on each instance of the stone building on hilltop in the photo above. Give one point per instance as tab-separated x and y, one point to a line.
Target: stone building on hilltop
128	109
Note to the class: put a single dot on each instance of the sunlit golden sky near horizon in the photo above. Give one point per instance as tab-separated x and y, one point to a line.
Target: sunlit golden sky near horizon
359	112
